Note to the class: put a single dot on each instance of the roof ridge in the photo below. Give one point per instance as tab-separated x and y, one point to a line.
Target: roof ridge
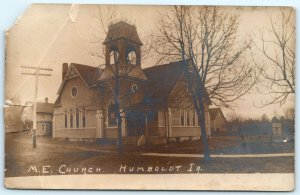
163	65
76	64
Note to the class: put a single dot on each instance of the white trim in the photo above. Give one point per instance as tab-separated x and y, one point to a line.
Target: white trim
73	73
141	138
65	79
80	118
69	119
134	85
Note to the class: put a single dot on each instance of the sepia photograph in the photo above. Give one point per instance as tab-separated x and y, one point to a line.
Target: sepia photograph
150	97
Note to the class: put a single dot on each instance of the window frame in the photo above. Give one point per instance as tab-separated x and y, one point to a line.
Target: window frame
74	87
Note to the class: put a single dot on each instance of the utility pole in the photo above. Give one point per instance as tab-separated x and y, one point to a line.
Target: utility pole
35	71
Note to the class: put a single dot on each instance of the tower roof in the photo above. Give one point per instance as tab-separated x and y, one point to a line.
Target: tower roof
122	30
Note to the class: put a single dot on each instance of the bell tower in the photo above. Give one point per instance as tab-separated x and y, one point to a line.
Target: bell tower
123	50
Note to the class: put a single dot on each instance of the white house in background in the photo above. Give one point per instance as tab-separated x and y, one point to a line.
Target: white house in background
276	127
44	117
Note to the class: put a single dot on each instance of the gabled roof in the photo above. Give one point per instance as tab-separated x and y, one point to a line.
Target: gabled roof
213	113
163	79
88	74
122	30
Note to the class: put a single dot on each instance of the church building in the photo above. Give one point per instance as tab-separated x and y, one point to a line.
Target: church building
155	103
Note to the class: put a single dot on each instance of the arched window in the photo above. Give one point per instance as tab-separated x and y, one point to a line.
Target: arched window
182	117
130	55
111	115
188	118
66	119
83	117
114	56
74	91
71	118
77	118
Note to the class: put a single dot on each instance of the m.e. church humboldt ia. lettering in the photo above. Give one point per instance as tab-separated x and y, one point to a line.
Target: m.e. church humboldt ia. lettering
152	111
123	168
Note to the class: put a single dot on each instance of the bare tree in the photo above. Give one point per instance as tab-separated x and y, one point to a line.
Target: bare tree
205	39
289	114
264	117
277	47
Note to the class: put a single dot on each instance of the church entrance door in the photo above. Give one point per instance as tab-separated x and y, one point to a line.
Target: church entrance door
136	122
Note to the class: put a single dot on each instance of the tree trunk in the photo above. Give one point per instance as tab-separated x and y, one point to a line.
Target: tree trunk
201	120
197	90
120	144
117	111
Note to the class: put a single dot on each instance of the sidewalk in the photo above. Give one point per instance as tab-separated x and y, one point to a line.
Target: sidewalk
222	155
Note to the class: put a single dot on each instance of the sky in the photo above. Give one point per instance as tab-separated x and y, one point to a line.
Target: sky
45	36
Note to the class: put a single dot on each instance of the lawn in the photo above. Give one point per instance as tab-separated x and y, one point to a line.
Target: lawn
53	157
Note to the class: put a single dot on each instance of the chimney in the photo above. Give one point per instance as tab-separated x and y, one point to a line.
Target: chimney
46	100
65	68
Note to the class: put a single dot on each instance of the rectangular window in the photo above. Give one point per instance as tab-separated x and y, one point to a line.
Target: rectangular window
80	118
188	118
71	119
66	119
77	118
182	117
193	118
83	118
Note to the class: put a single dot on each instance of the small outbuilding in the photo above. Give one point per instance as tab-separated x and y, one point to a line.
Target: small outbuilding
217	120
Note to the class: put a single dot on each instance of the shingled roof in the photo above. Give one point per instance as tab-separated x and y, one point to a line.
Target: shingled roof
163	79
122	30
89	74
